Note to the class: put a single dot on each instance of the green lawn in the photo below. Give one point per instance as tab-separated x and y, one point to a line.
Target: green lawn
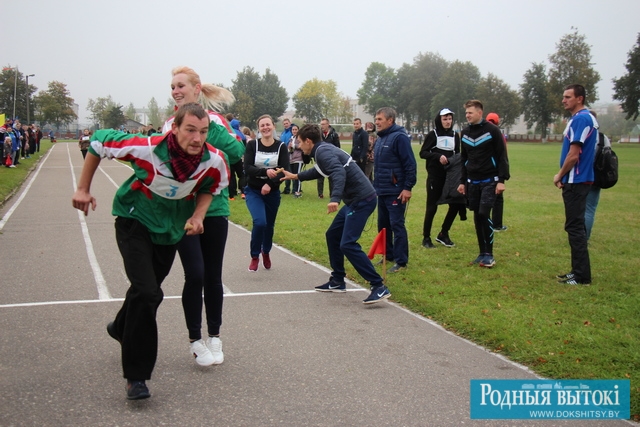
517	308
11	178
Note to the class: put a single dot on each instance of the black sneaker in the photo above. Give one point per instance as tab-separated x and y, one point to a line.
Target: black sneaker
111	330
574	281
427	243
563	277
332	286
396	268
500	228
445	240
377	294
137	390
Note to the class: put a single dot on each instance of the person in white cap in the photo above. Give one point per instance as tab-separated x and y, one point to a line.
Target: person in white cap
439	148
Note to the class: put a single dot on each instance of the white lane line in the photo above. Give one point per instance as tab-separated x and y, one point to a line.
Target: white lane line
306	261
101	284
109	177
231	295
15	205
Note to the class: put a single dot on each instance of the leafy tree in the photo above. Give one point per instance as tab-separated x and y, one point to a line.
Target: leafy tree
418	85
154	113
404	76
257	95
538	104
317	99
169	110
7	82
497	96
345	113
456	86
54	105
571	64
98	109
614	124
114	117
243	109
130	112
274	97
379	88
626	89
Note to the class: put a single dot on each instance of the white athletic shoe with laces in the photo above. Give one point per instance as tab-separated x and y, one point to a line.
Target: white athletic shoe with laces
201	353
215	348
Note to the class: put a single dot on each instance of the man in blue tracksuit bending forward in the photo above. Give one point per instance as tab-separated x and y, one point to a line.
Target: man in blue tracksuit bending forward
348	184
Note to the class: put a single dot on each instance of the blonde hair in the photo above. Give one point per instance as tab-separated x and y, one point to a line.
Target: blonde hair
264	116
211	97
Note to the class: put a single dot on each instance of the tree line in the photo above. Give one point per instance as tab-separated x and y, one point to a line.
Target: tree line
417	91
421	89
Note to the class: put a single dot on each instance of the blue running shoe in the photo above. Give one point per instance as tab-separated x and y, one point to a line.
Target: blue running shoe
477	260
377	294
488	261
332	286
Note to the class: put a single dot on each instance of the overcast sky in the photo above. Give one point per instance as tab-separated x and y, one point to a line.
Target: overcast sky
127	49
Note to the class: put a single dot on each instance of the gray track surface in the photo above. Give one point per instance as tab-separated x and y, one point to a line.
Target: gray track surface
293	357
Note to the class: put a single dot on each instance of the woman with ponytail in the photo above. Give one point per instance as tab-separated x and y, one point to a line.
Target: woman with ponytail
202	255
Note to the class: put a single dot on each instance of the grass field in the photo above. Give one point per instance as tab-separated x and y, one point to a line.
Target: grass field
11	178
517	308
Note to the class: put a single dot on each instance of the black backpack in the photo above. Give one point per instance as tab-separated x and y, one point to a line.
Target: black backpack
605	166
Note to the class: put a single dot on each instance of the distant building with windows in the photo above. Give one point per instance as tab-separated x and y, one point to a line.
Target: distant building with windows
358	111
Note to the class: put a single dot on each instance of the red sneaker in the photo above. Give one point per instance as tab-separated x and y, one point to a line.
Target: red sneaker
266	260
254	264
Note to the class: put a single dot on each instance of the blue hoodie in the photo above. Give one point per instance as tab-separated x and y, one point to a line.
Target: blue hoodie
235	125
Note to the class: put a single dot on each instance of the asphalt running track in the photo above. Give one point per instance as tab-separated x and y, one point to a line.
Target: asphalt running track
293	356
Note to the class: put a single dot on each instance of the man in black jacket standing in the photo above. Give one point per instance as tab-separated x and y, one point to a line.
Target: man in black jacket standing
360	146
485	168
348	184
330	135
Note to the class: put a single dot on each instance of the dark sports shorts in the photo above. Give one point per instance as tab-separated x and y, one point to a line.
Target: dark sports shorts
481	196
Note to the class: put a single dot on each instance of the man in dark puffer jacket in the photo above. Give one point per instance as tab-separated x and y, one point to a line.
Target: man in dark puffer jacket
394	170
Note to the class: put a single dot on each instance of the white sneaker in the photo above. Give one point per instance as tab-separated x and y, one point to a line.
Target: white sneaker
201	353
215	347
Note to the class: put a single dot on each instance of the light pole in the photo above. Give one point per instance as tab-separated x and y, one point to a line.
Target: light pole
28	121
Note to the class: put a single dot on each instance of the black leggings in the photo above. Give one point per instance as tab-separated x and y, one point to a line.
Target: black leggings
434	192
236	169
201	258
296	167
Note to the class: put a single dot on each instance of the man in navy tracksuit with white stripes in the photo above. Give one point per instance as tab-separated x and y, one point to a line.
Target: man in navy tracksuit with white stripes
350	185
485	168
